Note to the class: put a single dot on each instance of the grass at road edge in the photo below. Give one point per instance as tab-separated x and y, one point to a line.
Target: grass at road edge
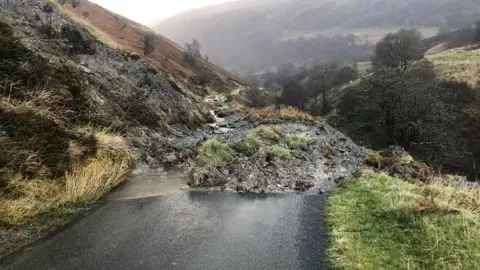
379	222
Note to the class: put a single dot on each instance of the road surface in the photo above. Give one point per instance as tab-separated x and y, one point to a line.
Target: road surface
189	230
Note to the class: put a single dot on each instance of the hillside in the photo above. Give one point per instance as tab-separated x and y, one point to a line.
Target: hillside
81	105
126	35
261	35
455	57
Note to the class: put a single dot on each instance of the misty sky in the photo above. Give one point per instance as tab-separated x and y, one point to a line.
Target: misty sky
149	11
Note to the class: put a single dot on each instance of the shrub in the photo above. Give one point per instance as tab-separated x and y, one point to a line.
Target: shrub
204	76
192	52
148	44
259	137
257	98
215	153
298	141
374	159
47	29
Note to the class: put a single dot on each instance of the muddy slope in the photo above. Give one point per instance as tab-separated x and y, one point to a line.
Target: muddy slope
110	88
327	159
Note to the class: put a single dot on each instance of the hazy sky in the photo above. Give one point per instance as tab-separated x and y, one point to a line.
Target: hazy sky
148	11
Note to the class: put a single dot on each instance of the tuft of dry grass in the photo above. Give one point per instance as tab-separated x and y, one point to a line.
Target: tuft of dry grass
285	113
89	182
24	200
27	199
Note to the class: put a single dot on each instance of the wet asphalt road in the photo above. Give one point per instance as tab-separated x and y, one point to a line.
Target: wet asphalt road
189	230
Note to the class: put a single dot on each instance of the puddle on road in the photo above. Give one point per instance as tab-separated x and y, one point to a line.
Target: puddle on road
149	182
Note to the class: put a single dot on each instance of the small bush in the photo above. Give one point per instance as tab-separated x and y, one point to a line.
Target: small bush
251	144
204	76
215	153
259	137
279	151
47	30
298	141
148	44
266	133
192	53
374	159
258	98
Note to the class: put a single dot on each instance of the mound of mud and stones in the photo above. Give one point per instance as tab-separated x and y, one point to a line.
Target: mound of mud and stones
251	154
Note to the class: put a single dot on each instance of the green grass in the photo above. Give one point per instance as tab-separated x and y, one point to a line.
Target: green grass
379	222
279	151
298	141
215	153
252	143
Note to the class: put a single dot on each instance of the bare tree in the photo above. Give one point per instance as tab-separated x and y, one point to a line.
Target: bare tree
477	32
192	52
148	44
257	98
323	74
398	50
294	94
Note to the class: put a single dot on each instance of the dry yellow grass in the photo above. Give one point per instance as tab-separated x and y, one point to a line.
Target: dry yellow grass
28	199
286	113
87	183
459	64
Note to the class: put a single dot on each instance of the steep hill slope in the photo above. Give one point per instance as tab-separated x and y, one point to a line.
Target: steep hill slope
79	107
257	34
127	35
455	56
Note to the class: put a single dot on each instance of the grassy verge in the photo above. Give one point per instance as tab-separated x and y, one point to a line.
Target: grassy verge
380	222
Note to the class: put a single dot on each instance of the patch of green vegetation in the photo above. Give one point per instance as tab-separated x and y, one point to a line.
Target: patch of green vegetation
373	159
258	137
266	133
379	222
215	153
279	151
298	141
